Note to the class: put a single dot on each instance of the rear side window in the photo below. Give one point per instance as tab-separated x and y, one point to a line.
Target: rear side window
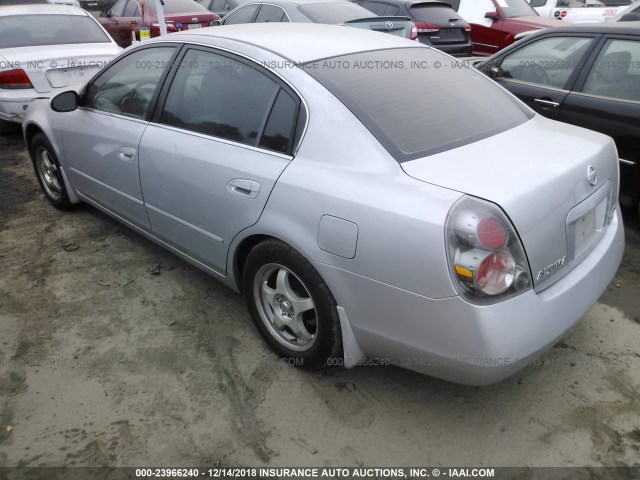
280	127
426	13
222	97
418	102
334	12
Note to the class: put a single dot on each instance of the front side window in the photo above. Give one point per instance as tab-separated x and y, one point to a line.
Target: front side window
547	62
474	11
242	15
271	13
538	3
427	110
118	9
132	10
127	87
43	30
220	6
222	97
616	71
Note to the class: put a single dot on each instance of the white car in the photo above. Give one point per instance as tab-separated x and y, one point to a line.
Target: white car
44	47
630	13
575	11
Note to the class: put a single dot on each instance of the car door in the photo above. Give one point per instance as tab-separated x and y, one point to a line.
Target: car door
101	137
541	71
607	99
214	151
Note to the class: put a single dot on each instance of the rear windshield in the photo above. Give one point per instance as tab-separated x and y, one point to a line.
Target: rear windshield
417	101
41	30
425	13
334	12
177	7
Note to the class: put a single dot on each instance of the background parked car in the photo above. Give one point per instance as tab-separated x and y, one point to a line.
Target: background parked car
340	12
128	15
628	14
496	24
584	75
74	3
576	11
43	47
438	24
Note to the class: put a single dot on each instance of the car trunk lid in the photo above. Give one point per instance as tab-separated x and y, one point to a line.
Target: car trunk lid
543	186
400	26
60	65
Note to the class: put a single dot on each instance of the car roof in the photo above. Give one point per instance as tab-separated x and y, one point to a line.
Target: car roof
40	9
605	27
297	42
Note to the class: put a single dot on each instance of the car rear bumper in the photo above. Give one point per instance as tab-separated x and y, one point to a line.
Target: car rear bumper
454	340
455	50
14	104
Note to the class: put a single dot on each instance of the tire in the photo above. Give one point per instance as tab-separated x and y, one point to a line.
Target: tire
47	168
291	306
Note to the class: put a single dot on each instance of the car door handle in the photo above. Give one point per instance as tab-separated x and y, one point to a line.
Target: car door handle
546	103
127	154
244	188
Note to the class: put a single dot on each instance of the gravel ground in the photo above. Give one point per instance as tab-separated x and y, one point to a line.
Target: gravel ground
114	352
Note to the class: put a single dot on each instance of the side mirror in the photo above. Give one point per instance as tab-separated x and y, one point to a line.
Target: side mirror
493	15
496	72
105	13
215	23
65	102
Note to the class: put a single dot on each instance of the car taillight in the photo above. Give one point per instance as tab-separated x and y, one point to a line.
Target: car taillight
467	28
427	28
486	257
414	33
14	79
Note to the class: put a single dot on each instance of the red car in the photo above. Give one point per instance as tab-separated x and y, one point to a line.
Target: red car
129	15
496	24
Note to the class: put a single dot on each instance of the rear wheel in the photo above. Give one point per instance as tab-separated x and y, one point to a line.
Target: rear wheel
47	168
291	305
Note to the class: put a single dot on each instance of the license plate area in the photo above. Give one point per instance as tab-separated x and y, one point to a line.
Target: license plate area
586	222
191	26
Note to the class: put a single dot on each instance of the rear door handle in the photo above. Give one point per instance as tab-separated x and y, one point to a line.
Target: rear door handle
546	103
244	188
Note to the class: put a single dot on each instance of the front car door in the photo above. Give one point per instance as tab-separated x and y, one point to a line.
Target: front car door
101	137
542	71
214	151
607	99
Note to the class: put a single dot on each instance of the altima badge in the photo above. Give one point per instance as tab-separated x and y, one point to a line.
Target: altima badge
592	175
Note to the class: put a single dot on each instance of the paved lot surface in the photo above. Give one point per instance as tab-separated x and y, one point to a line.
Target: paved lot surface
114	352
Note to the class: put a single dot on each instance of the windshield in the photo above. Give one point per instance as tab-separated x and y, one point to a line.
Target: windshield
41	30
334	12
417	101
517	8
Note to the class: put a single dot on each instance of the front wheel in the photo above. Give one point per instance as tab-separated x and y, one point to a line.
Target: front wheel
47	168
291	305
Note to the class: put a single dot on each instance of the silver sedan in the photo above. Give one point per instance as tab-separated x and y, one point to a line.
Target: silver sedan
374	200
